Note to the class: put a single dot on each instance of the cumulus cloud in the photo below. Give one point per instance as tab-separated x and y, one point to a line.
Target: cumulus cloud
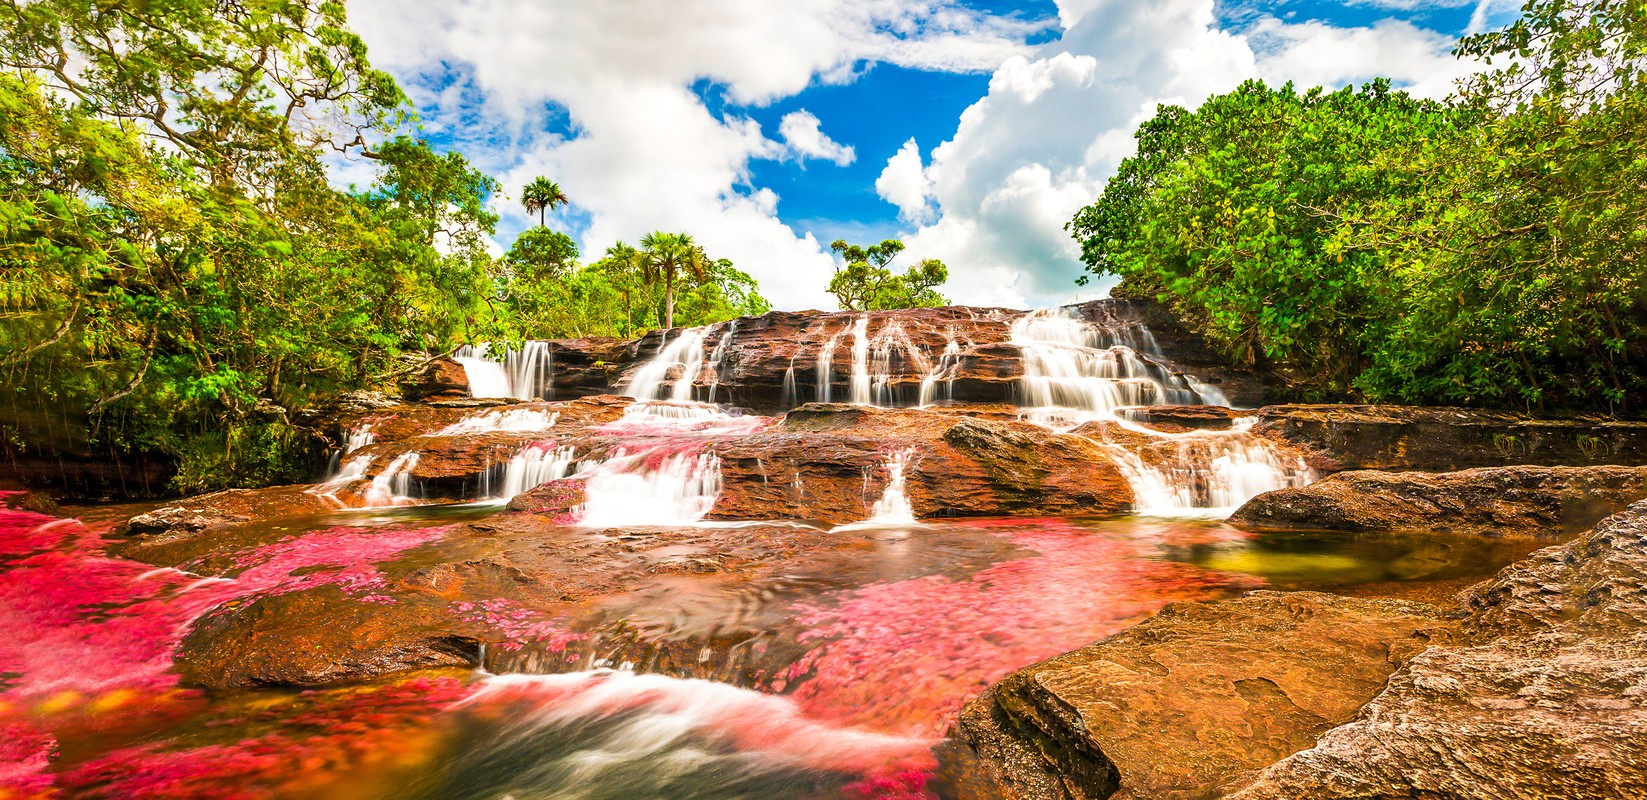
804	135
904	184
1057	122
642	150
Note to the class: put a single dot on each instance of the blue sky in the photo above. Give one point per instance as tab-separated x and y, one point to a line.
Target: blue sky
768	128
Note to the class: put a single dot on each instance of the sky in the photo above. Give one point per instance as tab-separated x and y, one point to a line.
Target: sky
970	129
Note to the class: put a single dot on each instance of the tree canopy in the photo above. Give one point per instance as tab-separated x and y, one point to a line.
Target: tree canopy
865	282
1482	251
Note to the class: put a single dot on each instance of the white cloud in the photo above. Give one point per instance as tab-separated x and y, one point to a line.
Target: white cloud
1056	123
904	184
804	135
647	153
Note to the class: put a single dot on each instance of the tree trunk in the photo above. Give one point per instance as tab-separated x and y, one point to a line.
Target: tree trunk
668	300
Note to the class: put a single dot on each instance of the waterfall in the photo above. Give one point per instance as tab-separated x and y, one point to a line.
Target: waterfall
535	464
893	507
1204	473
717	356
524	374
858	386
352	470
791	393
682	358
826	374
1074	371
517	420
649	489
358	438
944	370
392	486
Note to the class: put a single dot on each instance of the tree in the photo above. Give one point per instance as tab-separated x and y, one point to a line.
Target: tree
542	196
541	253
865	283
663	256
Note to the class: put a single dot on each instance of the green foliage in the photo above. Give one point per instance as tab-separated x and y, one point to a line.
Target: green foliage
1487	251
542	196
542	254
865	282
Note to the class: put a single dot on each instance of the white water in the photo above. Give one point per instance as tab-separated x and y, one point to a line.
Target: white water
858	386
523	374
352	470
650	489
518	420
791	396
893	507
1206	473
825	366
534	465
948	365
677	362
393	486
718	357
358	438
1075	372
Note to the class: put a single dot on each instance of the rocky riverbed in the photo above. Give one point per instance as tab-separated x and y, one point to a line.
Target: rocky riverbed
955	553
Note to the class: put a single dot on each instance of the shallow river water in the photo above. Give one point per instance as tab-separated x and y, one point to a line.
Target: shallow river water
876	647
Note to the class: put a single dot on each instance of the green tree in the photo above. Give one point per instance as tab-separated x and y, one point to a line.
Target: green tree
865	282
542	196
541	253
663	257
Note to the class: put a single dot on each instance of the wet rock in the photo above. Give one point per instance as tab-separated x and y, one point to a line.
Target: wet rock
315	638
1547	701
1494	501
1173	419
585	367
441	378
228	507
1350	437
830	463
1193	701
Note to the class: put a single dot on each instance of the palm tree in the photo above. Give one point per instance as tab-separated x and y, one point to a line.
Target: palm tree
621	263
664	255
542	196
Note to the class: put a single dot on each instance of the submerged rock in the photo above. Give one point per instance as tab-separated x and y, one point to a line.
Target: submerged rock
1193	701
1348	437
1494	501
228	507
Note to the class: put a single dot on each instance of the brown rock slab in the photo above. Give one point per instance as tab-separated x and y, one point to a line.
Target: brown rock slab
1493	501
1547	700
1195	700
1435	439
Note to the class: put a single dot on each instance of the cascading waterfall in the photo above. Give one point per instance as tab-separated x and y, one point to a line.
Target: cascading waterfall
358	438
517	420
718	357
858	386
1074	372
791	393
893	507
825	366
352	470
650	488
682	359
1077	372
944	370
523	374
393	486
534	465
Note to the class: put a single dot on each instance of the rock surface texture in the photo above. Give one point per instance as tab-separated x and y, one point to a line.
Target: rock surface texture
1535	690
1347	437
1493	501
1196	700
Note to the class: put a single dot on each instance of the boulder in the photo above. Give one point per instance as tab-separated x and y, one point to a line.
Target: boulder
441	378
228	507
1348	437
1493	501
1545	699
1174	419
1195	700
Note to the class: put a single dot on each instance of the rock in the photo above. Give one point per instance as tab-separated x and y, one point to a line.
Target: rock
1194	700
1440	439
585	367
38	502
1545	700
829	463
228	507
1173	419
441	378
1493	501
315	638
